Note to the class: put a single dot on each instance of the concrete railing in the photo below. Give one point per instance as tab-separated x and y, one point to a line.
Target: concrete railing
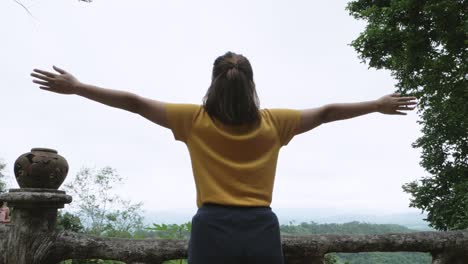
31	238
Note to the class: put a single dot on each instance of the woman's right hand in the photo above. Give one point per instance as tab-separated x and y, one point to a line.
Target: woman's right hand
63	83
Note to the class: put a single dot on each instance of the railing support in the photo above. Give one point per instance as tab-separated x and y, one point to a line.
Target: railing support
33	222
31	236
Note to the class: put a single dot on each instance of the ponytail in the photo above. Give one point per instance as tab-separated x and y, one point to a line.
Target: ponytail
231	97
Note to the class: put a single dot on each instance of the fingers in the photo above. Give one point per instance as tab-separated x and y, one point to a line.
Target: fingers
42	77
405	98
395	104
407	103
61	71
46	73
409	98
41	82
49	89
405	108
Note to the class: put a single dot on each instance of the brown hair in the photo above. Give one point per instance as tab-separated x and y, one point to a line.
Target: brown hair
231	97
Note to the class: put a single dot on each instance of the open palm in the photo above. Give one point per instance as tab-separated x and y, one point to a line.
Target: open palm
394	104
63	82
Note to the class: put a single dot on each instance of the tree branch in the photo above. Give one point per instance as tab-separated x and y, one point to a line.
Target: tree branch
24	7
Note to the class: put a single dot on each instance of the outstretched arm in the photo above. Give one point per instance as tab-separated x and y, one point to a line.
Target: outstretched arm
66	83
392	104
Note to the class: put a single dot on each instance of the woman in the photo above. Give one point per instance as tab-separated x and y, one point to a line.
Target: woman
233	148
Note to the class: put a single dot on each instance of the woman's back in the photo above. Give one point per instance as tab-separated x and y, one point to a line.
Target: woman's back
232	164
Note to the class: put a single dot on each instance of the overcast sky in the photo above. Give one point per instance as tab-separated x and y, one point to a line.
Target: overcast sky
301	58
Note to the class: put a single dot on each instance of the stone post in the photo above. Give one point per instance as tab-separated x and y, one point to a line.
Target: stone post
33	222
32	230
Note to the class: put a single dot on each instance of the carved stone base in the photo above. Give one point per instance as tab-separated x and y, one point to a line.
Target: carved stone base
33	223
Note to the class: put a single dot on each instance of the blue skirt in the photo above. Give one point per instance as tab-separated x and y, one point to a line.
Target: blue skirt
235	235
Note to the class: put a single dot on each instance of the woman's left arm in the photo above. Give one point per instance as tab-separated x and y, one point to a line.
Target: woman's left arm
392	104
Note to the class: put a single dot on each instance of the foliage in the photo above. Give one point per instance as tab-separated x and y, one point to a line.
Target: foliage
358	228
104	213
70	222
172	231
423	44
346	228
2	176
332	259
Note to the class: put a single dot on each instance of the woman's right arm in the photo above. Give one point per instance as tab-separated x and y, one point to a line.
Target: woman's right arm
66	83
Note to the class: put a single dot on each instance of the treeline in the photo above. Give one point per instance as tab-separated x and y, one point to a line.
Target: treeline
346	228
363	229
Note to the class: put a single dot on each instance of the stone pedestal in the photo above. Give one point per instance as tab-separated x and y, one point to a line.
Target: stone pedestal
33	222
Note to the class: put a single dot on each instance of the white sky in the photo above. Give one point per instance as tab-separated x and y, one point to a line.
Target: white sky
164	50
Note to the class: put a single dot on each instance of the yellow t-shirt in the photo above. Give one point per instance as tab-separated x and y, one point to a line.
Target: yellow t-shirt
232	165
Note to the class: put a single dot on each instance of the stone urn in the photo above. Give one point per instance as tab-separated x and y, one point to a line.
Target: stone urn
41	168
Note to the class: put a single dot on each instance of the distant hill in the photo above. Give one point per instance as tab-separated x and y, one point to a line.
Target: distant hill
350	228
408	219
287	215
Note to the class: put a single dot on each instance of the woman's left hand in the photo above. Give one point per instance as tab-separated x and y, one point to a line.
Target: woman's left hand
394	104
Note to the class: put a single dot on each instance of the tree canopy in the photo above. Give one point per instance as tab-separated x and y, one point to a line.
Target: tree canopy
424	45
103	212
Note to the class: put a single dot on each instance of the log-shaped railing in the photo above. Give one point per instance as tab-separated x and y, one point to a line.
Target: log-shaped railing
31	238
